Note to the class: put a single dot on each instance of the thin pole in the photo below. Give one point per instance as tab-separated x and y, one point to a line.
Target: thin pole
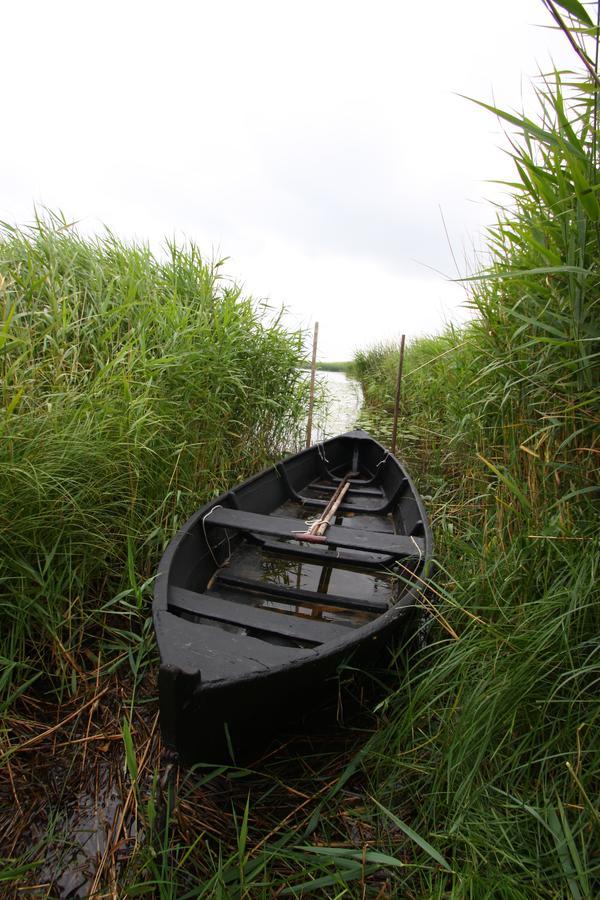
313	369
397	401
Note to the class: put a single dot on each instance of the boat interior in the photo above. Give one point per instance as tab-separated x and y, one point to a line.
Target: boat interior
248	582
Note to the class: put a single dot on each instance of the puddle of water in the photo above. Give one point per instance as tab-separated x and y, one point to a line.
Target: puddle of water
312	576
82	835
325	613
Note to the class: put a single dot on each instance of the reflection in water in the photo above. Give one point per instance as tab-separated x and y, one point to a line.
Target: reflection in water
334	614
323	579
82	831
344	400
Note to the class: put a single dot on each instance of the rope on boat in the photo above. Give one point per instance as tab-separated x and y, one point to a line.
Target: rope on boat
318	528
321	449
314	520
417	546
210	549
383	459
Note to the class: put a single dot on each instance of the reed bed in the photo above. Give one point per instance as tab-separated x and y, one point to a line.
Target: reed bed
475	772
134	388
492	740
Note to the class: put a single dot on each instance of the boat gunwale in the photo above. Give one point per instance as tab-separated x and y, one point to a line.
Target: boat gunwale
337	646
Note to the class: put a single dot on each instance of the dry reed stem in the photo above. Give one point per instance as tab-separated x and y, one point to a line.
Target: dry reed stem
114	837
61	724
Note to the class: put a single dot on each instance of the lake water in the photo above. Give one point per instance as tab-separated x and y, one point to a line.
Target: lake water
342	406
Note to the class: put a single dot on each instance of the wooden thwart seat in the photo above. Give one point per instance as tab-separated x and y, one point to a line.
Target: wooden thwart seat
336	536
350	503
214	606
323	555
358	492
293	595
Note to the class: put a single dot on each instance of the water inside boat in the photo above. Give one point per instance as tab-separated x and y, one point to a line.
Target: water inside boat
266	575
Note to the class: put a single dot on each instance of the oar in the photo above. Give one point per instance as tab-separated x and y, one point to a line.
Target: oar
325	521
315	533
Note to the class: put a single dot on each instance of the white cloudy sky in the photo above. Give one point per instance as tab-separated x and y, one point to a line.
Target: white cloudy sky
313	143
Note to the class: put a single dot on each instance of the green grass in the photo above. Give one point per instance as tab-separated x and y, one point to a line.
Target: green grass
347	367
491	745
130	394
134	388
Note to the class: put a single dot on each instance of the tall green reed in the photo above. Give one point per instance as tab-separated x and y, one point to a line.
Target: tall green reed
491	741
134	387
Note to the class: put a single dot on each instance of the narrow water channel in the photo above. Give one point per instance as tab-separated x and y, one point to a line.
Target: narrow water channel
343	400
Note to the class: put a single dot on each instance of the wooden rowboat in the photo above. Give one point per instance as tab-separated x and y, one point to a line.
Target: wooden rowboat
254	609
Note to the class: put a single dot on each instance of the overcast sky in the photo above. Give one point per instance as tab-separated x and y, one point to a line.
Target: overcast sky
313	143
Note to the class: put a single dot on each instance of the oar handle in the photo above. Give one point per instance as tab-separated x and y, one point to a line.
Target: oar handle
326	519
309	537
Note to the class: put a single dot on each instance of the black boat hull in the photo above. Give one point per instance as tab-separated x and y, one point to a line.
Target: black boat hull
241	645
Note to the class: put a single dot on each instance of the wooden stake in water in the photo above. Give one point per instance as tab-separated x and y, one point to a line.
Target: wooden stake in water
313	369
397	401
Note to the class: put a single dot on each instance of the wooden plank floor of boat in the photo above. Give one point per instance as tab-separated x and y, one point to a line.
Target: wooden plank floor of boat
267	622
279	599
254	592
